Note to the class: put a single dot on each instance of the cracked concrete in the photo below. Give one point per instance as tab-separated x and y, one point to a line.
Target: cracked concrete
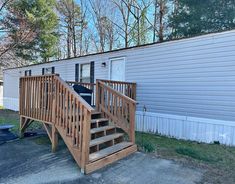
24	161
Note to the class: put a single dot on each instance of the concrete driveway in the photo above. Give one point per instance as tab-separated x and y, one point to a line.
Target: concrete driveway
24	161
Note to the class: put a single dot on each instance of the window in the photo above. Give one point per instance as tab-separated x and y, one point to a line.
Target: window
49	70
76	72
85	73
27	73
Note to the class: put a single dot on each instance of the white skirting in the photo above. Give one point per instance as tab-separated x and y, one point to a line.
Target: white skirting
180	127
188	128
11	103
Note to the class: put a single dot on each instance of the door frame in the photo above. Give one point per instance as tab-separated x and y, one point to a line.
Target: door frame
110	63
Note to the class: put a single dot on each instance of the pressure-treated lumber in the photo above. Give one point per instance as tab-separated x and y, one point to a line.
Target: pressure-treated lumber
90	135
102	129
108	151
105	139
110	159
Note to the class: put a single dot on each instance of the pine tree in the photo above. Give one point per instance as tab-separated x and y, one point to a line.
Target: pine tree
202	16
32	28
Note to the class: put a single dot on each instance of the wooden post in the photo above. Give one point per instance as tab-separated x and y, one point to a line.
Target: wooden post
97	96
54	138
86	124
132	123
134	91
21	127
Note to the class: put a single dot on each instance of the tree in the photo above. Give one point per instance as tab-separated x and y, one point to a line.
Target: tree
70	19
197	17
139	27
160	24
124	8
31	29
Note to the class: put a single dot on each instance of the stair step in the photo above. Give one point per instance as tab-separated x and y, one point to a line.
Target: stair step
95	112
99	120
105	139
108	151
101	129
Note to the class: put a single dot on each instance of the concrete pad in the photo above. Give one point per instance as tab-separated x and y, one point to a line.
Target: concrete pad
25	162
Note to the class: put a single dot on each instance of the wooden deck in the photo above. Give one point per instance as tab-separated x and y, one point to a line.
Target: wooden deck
94	136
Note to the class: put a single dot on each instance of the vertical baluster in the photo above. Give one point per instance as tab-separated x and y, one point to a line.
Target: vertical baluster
80	123
70	114
108	102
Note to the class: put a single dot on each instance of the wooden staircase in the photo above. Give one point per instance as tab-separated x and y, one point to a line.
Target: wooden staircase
95	137
107	144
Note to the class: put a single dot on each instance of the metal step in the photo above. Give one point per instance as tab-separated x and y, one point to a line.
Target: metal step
105	139
108	151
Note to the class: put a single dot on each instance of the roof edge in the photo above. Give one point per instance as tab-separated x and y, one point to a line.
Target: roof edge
121	49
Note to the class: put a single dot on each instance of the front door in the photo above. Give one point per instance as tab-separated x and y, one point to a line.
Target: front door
117	69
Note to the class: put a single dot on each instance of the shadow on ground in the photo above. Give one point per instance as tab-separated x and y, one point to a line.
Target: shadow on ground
26	161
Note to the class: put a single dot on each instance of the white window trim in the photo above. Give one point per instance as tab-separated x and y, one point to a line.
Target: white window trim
110	62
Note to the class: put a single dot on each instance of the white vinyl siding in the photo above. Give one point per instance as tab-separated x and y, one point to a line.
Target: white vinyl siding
190	77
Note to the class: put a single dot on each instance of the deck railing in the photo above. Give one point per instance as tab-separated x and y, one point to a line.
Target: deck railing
117	107
52	101
126	88
90	86
49	99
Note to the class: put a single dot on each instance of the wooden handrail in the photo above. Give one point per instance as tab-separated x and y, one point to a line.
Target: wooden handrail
49	99
113	81
118	93
117	107
126	88
90	86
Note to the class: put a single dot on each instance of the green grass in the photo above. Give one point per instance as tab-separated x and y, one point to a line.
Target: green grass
217	156
170	147
1	107
11	117
173	148
44	140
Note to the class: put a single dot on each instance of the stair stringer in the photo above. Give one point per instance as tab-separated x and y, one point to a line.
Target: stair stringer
73	150
93	166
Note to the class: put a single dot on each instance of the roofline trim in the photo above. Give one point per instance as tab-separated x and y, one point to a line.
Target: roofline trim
129	48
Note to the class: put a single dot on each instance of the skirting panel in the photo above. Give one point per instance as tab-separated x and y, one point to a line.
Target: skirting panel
188	128
11	103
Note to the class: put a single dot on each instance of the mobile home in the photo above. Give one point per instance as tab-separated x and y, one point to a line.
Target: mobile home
185	88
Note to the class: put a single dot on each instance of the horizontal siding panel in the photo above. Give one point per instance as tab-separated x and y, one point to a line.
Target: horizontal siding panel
188	77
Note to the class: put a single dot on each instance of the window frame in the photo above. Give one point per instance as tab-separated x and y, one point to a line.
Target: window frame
27	73
81	78
45	70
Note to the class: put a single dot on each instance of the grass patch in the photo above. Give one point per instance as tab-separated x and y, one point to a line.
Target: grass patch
218	157
44	140
173	148
195	154
1	107
12	117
